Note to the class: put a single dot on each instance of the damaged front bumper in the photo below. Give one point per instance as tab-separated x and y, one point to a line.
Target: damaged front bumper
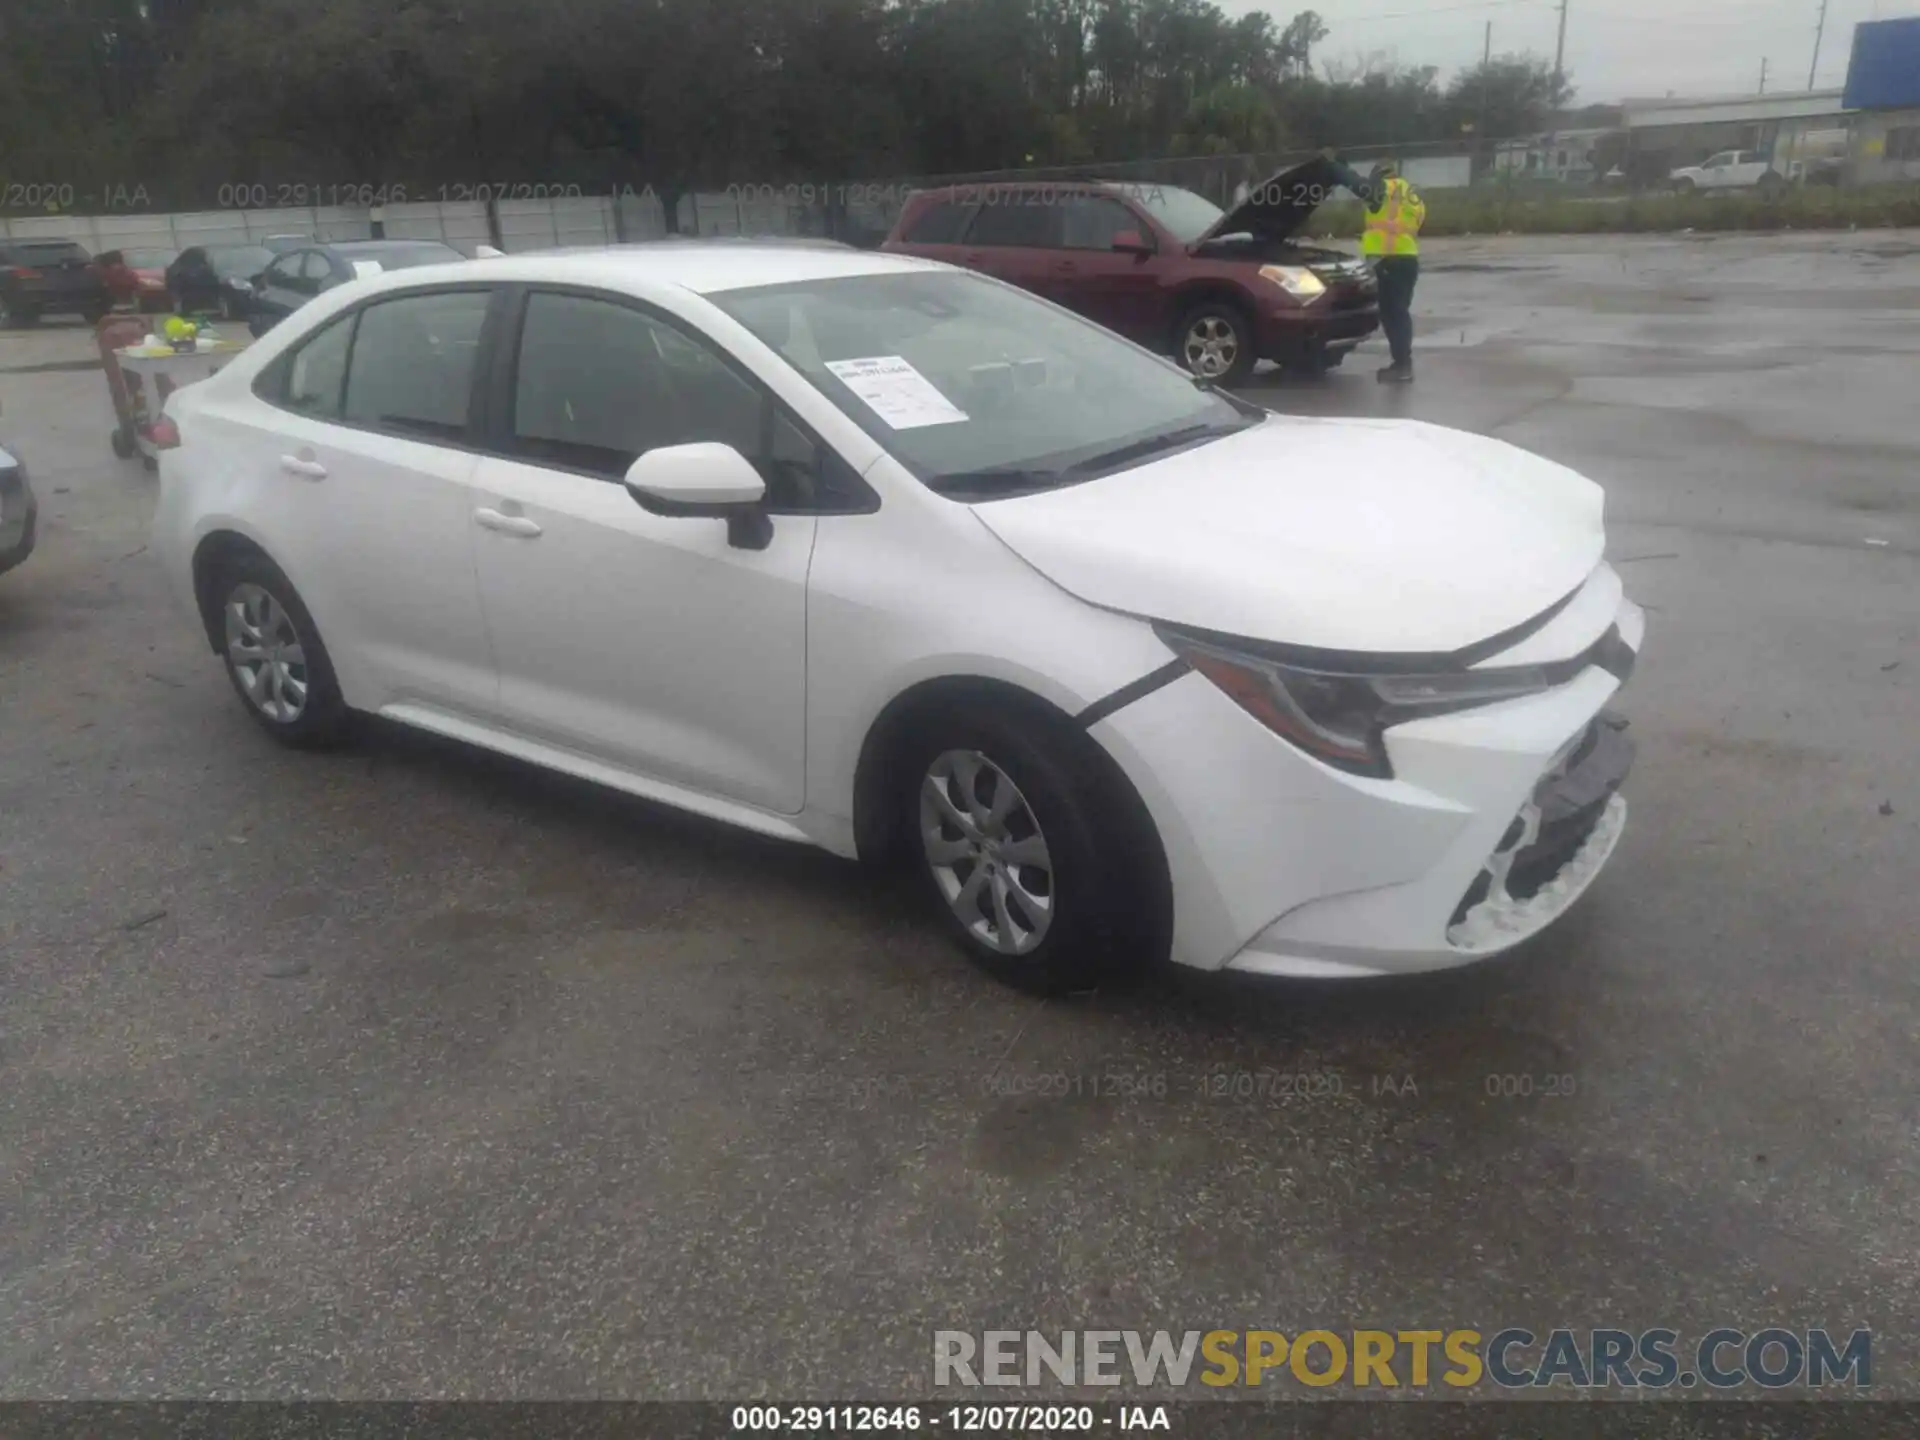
1555	847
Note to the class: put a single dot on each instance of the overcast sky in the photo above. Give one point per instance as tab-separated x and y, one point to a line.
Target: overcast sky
1615	48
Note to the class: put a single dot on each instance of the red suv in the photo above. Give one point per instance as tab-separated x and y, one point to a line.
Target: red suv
1163	266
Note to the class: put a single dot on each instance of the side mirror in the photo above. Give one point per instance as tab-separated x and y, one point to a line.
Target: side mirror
1132	242
704	480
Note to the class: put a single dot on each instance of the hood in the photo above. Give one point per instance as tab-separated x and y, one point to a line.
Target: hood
1385	536
1279	205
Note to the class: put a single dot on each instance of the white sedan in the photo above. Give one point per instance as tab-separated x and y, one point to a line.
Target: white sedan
873	553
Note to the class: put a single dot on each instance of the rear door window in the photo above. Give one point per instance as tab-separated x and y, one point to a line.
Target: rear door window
413	364
1015	218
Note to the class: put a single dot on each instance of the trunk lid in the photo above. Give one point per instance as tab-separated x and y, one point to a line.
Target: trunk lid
1381	536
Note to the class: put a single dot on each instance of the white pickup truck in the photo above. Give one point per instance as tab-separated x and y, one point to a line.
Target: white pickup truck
1729	170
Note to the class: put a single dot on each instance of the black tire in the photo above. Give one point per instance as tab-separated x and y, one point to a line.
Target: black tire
1101	924
1217	316
322	716
22	318
122	442
1772	184
1683	187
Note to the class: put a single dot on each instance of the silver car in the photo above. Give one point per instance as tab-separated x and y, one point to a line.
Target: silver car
18	512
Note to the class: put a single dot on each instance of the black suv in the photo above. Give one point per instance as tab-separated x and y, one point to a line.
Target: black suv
48	277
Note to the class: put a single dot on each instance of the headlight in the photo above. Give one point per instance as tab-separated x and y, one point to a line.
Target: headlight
1296	280
1340	717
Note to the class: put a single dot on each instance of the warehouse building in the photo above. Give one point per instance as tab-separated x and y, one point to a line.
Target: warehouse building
1883	98
1867	132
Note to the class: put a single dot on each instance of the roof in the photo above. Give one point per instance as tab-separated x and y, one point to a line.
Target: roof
374	247
700	266
1785	105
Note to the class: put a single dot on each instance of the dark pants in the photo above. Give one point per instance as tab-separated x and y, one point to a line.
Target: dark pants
1397	275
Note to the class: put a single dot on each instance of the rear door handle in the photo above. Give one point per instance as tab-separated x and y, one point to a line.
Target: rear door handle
507	524
305	469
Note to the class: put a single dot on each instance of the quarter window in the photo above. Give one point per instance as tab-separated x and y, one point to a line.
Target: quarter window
314	379
413	363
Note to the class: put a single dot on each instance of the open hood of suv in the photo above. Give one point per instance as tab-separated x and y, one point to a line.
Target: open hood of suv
1382	536
1279	205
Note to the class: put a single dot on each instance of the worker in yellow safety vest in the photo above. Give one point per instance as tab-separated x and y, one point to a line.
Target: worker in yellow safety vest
1391	240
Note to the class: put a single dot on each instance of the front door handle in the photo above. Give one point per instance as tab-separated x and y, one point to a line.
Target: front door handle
306	469
507	524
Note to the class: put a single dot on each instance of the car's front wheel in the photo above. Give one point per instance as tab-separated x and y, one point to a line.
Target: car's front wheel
1021	848
1216	342
274	655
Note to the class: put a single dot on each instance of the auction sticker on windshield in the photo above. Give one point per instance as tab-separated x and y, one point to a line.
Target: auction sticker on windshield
896	392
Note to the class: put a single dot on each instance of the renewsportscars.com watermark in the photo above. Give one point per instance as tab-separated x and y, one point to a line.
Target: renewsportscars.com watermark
1773	1358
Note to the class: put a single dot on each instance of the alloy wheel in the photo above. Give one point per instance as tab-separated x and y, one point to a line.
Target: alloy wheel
266	654
1211	346
987	854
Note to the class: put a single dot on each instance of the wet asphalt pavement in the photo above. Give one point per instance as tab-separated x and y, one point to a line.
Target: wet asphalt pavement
410	1071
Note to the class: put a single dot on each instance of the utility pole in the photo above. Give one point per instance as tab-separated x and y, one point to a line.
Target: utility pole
1763	74
1486	64
1819	31
1560	51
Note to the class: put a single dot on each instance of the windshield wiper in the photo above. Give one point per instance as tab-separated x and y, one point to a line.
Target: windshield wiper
1152	445
998	480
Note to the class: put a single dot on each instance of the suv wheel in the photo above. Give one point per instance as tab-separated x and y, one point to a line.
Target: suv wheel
274	655
1216	342
1020	852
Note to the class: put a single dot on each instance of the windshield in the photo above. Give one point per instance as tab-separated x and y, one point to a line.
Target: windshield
977	388
1186	214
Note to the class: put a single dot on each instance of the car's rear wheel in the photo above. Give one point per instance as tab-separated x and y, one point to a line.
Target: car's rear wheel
274	655
1216	342
17	317
1683	187
1021	848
